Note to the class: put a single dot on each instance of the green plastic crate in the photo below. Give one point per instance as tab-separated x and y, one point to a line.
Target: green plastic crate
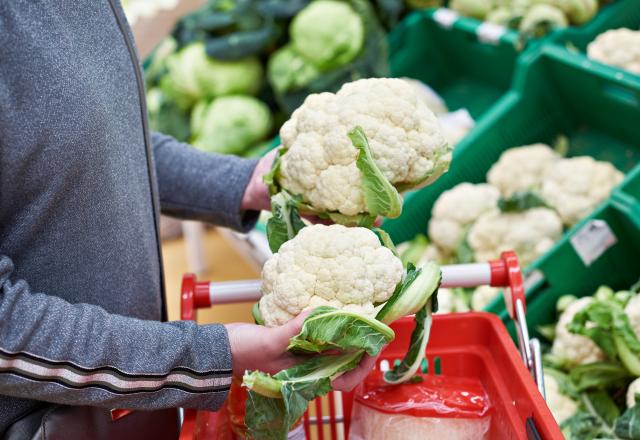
464	71
621	13
563	272
553	94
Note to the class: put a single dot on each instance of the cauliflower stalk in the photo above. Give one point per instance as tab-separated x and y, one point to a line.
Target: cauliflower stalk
347	155
617	47
575	186
456	210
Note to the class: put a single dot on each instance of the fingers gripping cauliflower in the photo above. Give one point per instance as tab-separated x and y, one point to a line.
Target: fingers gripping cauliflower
575	186
521	168
404	136
342	267
617	47
530	234
574	349
456	209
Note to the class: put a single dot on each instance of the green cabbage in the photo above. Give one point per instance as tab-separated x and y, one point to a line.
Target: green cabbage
230	124
328	33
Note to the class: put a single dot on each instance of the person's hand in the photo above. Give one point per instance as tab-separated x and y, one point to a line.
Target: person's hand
255	347
256	196
349	380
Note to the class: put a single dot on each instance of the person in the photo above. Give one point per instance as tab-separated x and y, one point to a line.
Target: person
82	181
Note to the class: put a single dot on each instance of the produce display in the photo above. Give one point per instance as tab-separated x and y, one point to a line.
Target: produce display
533	18
592	370
617	47
258	59
532	195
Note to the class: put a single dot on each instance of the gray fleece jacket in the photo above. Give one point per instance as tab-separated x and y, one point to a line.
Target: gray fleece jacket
81	184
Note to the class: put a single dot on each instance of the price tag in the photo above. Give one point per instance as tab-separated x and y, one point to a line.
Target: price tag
532	279
490	33
592	240
445	17
297	434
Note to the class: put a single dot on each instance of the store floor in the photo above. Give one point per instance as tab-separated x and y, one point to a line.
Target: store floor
223	263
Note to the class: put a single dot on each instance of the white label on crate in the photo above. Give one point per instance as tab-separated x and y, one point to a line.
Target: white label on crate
490	33
592	240
297	434
445	17
532	279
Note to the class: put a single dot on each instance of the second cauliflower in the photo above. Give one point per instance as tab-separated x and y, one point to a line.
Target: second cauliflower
346	268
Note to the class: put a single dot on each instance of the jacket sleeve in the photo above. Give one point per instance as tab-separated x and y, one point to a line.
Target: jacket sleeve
202	186
79	354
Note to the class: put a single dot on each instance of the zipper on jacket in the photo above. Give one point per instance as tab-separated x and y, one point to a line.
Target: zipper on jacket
147	142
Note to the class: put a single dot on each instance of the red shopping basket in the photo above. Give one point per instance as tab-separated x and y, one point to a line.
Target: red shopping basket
473	345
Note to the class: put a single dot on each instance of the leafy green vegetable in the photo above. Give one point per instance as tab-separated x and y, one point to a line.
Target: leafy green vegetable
386	241
166	116
285	223
628	425
464	253
230	124
521	201
595	420
257	315
271	178
381	198
548	331
415	250
598	375
412	294
605	322
275	403
327	328
408	367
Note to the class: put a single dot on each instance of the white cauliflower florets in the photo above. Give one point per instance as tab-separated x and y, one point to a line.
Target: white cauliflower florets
530	234
446	301
632	310
574	349
346	268
634	388
562	407
575	186
456	209
405	138
617	47
521	168
482	297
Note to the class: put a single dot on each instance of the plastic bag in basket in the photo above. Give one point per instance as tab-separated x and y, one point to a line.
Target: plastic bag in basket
431	407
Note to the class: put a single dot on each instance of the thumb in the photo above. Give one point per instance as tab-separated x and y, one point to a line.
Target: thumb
291	328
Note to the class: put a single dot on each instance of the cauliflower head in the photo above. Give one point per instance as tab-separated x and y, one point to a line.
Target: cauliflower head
632	390
404	136
575	186
632	310
562	407
456	209
482	297
530	234
521	168
617	47
346	268
574	349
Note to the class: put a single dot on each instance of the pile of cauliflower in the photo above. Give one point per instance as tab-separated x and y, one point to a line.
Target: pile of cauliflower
617	47
470	222
319	163
531	17
574	365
